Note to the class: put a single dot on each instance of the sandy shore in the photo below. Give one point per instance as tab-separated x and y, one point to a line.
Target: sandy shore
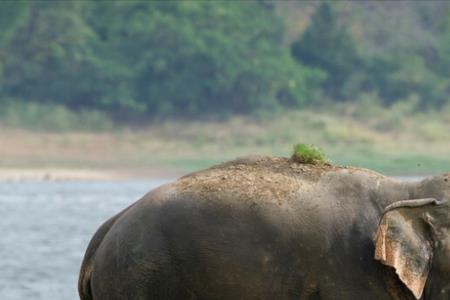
56	174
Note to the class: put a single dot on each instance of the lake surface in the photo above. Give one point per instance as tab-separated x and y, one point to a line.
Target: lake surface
45	228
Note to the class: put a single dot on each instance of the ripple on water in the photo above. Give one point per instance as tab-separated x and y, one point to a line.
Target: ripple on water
45	228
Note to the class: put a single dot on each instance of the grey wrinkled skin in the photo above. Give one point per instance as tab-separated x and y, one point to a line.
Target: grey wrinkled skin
270	228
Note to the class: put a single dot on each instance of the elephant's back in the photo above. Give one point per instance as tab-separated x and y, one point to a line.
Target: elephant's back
196	238
225	233
276	183
241	222
276	190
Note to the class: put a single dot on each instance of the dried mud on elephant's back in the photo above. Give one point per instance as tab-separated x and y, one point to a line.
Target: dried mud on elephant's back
262	176
258	166
271	164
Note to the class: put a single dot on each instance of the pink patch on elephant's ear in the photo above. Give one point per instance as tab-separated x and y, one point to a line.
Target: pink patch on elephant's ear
400	246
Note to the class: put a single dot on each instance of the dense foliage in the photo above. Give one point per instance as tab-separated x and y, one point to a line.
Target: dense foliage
148	59
407	69
156	58
327	45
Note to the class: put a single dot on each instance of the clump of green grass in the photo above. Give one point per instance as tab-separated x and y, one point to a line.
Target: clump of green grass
309	154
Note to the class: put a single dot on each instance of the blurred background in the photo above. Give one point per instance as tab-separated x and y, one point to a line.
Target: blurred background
162	88
96	91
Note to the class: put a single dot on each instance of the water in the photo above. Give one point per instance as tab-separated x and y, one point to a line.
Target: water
45	228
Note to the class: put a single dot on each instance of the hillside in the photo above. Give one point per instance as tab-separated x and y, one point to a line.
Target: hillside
138	62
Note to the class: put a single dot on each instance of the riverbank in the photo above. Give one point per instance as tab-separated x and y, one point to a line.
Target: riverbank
58	174
392	141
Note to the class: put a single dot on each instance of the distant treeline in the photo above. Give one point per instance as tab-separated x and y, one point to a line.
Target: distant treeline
189	58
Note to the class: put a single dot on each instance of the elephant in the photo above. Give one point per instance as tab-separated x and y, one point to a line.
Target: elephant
264	227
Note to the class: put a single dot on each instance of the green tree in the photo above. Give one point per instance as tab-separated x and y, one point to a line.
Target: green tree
49	59
327	44
443	48
13	15
156	58
192	57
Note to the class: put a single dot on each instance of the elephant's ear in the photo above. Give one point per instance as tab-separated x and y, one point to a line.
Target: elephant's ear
403	241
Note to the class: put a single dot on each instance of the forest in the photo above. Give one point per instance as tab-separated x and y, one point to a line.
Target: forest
135	61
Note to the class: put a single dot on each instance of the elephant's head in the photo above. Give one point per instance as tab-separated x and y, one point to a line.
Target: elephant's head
413	237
